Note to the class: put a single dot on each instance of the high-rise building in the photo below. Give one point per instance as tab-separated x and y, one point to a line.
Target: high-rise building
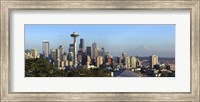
57	63
127	62
61	51
53	54
58	54
153	60
84	58
88	60
98	51
103	51
124	54
81	45
45	48
79	59
64	57
99	60
34	53
70	56
118	60
89	51
71	47
94	50
133	61
138	63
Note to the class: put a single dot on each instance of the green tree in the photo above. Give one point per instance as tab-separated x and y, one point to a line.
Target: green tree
38	67
59	73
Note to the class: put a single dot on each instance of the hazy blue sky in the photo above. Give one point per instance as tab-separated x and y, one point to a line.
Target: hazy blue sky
135	39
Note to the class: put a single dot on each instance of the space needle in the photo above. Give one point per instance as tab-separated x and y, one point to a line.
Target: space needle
74	35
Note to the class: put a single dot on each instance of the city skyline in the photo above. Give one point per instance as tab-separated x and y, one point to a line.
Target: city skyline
116	39
93	62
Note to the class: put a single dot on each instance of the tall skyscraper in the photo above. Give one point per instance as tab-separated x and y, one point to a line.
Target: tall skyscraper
127	62
61	51
58	54
153	60
133	62
53	54
103	51
81	45
79	59
88	61
45	48
57	63
71	47
119	60
74	35
98	51
64	57
89	51
94	50
84	58
70	56
124	54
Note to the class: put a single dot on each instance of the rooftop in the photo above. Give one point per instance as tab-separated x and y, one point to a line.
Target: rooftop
125	73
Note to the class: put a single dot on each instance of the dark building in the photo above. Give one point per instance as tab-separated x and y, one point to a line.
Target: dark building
103	52
89	51
94	62
81	45
119	59
84	58
71	47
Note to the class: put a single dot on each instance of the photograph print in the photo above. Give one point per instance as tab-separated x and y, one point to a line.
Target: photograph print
99	50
